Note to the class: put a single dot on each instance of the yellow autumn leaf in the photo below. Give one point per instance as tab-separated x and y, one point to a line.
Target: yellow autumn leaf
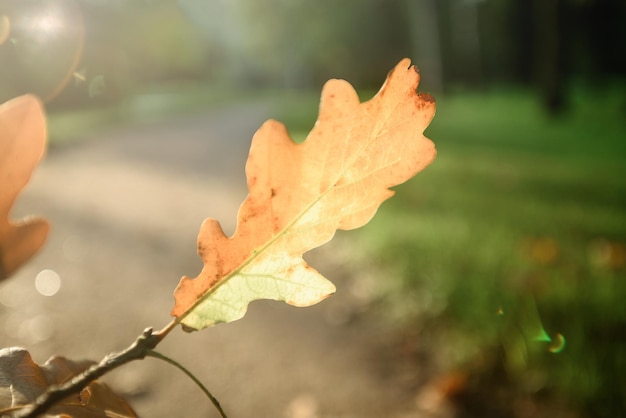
300	194
22	145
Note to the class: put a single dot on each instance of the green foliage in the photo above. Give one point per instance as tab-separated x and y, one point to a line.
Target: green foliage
519	209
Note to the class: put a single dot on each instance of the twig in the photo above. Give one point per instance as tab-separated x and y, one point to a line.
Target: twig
204	389
138	350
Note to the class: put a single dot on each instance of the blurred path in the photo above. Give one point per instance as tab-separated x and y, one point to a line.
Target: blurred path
125	209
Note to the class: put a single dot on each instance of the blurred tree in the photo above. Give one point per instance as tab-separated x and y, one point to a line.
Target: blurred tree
550	40
455	43
302	44
222	30
133	44
466	42
601	35
425	42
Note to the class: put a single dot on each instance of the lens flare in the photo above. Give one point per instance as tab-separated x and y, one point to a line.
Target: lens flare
48	40
558	344
49	24
80	76
97	86
48	282
542	336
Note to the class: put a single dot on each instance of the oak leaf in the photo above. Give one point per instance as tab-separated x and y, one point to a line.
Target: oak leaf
300	194
22	381
22	145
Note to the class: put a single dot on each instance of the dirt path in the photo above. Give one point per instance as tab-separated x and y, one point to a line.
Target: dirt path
125	210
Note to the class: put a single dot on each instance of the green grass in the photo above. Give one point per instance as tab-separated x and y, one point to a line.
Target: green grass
522	215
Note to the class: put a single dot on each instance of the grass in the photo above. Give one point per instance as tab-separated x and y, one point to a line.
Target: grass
517	231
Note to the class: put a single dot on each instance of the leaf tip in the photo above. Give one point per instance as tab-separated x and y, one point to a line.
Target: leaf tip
406	64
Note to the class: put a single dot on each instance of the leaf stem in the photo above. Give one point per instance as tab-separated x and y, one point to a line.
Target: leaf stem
156	354
166	330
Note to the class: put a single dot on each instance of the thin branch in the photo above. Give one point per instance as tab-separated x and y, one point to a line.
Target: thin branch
138	350
174	363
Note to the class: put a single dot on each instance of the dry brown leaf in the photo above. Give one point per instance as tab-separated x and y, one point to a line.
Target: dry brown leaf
22	381
22	145
300	194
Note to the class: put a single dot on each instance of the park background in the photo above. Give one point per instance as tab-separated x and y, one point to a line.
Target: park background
504	263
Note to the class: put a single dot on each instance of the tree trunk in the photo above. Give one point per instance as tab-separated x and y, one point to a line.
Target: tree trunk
425	42
550	53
